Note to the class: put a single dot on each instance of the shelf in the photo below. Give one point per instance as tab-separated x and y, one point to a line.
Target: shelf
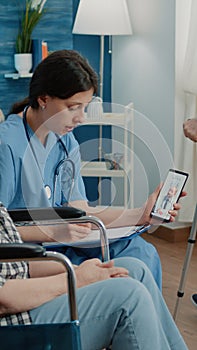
16	76
121	142
98	169
114	119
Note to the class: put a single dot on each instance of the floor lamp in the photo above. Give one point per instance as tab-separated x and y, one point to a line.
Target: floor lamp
102	17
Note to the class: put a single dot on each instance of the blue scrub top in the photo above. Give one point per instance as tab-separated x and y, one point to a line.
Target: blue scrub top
25	173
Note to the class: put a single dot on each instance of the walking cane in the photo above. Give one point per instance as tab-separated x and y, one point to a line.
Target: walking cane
190	246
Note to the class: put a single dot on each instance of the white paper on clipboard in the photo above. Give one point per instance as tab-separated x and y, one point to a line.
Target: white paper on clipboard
118	233
113	234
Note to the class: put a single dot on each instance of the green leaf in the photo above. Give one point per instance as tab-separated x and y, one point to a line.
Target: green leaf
29	18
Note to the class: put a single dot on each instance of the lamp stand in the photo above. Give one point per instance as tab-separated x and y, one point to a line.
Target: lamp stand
102	42
101	64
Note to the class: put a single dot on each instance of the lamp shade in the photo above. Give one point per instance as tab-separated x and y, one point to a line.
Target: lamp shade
102	17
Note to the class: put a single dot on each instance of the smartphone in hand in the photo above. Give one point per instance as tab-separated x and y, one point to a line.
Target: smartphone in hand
169	194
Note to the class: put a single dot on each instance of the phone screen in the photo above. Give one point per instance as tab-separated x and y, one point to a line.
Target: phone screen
169	194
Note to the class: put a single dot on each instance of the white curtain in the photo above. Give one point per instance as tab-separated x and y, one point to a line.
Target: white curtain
186	99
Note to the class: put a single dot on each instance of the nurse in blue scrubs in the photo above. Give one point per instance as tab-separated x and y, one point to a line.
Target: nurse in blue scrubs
38	151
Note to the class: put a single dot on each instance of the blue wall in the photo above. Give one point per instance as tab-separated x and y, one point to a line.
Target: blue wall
55	27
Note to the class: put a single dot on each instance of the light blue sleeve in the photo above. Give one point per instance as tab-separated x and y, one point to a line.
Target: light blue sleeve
7	175
78	190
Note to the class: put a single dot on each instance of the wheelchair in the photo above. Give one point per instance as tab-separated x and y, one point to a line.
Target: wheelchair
57	336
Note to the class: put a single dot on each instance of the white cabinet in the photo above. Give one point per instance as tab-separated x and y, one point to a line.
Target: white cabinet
121	180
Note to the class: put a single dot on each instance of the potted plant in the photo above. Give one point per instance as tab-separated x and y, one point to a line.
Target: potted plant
28	19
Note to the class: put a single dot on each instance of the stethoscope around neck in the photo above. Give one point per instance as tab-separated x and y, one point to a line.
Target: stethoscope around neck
59	166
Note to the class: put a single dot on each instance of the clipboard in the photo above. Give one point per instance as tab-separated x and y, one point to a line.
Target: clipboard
93	239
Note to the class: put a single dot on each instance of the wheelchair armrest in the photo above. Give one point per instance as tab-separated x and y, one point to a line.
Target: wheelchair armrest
28	251
102	229
38	214
9	251
69	214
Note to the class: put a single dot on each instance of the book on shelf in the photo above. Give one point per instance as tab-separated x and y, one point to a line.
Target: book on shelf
44	49
39	51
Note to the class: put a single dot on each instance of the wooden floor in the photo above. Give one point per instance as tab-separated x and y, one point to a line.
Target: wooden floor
172	258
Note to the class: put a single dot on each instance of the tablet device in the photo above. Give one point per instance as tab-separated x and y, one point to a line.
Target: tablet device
169	194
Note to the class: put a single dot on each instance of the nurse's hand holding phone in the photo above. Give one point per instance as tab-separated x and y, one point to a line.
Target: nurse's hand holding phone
162	204
169	195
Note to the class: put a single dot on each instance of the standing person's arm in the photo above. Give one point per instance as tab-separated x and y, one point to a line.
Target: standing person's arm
190	129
